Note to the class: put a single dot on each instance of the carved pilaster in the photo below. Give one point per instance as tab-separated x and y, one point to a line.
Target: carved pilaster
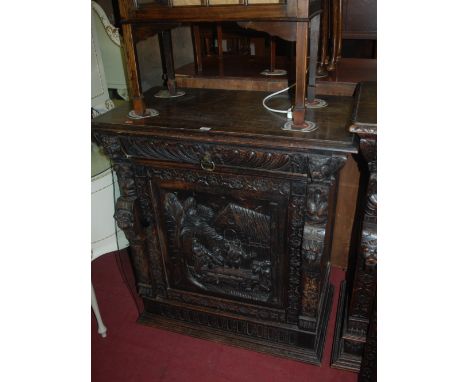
296	210
315	244
365	277
128	214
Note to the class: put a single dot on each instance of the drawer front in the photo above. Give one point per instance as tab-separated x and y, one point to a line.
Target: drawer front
228	241
212	156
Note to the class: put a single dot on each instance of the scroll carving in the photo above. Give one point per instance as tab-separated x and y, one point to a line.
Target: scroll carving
239	182
175	151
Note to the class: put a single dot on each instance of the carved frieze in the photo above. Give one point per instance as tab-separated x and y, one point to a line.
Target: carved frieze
240	327
231	306
176	151
239	182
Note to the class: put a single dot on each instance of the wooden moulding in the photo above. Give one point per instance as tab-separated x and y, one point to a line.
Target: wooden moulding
200	324
346	351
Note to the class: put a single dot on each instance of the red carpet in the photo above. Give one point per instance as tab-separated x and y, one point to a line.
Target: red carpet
136	353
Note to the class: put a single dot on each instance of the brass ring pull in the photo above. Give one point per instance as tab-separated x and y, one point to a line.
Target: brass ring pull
206	163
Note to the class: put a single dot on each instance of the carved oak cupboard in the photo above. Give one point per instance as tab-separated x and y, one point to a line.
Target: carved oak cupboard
356	320
229	217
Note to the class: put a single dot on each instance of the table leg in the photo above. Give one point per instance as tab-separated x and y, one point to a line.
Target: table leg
102	330
129	46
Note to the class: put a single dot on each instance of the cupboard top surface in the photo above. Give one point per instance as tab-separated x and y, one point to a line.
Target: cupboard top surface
235	117
364	119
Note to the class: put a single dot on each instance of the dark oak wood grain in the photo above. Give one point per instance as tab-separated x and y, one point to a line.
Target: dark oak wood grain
238	116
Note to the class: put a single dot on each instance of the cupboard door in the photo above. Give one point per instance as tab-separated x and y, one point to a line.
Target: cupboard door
225	239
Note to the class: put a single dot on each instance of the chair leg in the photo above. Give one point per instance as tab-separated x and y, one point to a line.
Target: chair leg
102	330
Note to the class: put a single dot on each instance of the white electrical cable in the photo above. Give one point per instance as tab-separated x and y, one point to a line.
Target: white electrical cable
288	112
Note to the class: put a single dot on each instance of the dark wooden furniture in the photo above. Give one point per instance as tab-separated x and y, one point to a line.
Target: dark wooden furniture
330	36
360	19
291	20
358	291
368	371
229	217
359	28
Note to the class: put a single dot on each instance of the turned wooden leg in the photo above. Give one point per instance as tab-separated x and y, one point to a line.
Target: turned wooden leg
324	36
336	33
219	30
301	68
102	330
314	38
340	30
129	46
272	54
167	58
197	49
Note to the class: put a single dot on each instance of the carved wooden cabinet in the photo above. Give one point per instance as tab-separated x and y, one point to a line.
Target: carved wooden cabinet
358	294
230	218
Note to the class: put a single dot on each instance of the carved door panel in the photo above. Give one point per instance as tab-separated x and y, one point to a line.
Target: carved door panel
224	239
